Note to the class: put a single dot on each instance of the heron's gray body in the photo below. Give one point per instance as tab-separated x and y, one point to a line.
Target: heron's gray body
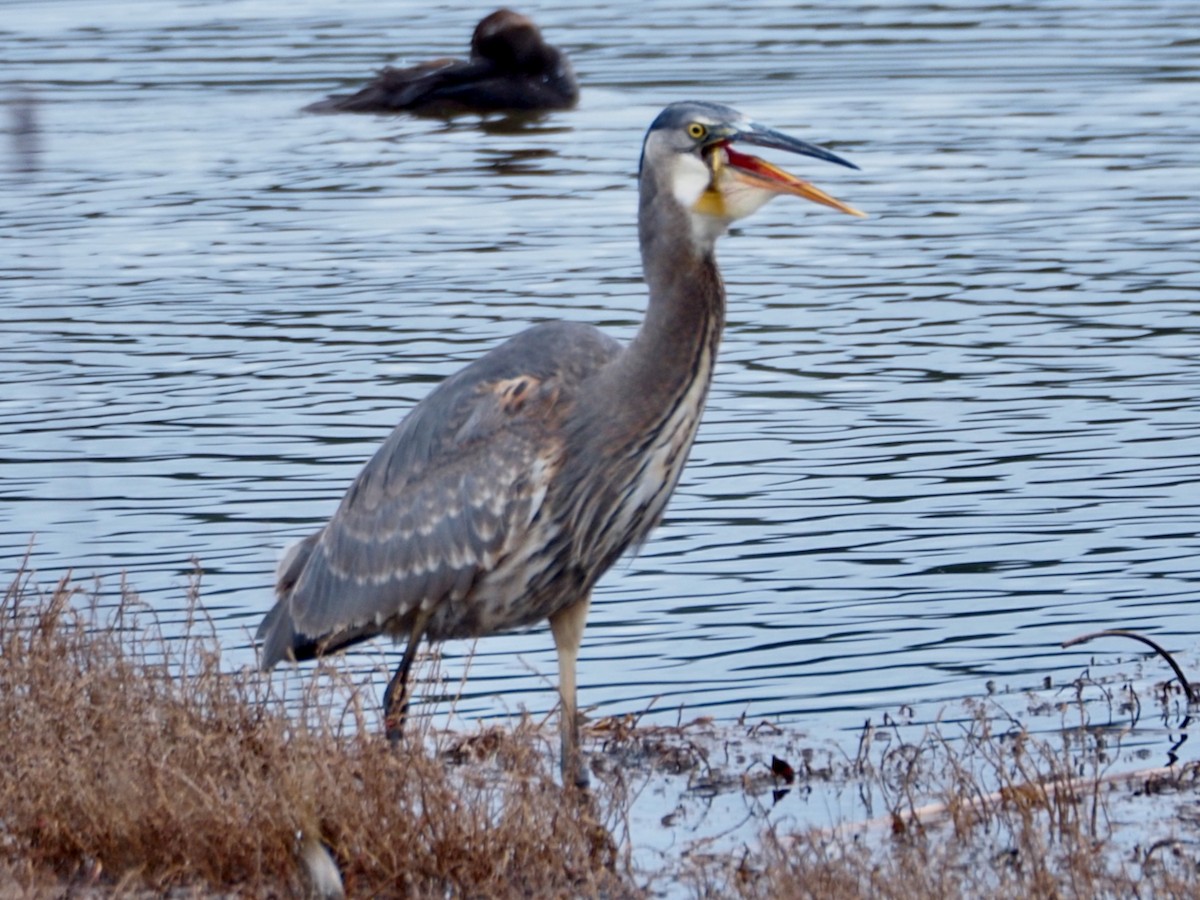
460	512
498	500
508	491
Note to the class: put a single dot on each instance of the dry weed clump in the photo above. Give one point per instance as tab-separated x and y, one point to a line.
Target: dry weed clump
132	764
993	812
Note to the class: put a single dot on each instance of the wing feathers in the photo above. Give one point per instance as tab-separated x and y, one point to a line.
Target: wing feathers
451	494
407	540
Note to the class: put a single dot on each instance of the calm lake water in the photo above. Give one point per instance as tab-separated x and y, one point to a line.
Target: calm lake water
940	440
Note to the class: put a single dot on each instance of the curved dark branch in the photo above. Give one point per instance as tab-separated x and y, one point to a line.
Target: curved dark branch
1120	632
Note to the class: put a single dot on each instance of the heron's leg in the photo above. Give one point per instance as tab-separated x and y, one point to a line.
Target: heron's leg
567	627
395	697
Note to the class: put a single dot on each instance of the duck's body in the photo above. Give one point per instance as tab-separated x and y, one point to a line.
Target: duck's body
511	69
511	488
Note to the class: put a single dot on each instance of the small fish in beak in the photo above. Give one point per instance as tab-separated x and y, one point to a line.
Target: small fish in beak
742	183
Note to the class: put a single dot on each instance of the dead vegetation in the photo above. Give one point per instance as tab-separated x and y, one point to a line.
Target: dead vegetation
984	808
133	765
132	762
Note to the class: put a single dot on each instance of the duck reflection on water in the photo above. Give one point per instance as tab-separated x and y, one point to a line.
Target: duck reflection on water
511	69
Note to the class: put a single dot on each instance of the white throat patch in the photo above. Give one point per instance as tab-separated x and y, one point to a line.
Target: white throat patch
690	178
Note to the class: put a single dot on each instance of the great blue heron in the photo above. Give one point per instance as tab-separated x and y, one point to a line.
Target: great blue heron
507	492
511	69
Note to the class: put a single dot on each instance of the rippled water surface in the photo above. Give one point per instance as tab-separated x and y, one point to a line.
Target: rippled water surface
940	440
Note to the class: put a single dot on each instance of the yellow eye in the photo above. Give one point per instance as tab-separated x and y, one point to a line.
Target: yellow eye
697	131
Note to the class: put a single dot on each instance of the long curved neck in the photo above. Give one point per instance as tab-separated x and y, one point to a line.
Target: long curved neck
651	395
674	351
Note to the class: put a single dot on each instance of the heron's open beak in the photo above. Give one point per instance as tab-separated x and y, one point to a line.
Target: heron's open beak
759	173
742	182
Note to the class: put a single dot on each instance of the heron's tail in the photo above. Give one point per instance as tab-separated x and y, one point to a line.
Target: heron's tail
280	639
277	631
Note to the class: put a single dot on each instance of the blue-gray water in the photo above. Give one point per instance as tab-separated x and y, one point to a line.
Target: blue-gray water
940	440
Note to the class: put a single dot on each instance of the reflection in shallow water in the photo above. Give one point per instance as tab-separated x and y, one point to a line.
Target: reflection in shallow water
23	130
938	443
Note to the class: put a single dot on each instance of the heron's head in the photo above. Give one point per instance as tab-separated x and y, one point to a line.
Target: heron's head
695	148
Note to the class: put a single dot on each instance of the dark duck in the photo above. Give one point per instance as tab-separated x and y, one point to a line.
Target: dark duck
511	69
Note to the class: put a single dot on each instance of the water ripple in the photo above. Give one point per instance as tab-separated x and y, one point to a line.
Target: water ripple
940	441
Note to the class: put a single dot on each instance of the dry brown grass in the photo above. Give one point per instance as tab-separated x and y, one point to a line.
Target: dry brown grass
133	765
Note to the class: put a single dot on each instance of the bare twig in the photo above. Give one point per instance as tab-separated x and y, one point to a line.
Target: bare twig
1120	632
